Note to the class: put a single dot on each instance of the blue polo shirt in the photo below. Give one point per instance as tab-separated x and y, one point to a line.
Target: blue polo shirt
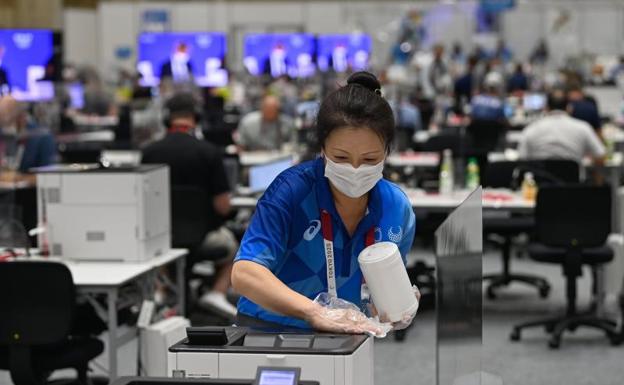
285	235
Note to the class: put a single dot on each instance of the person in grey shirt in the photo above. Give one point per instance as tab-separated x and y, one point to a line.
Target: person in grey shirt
265	130
559	136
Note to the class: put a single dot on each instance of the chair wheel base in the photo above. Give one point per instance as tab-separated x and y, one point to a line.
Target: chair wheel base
554	343
400	335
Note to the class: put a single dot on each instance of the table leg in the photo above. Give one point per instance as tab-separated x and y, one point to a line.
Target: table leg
181	266
615	184
112	334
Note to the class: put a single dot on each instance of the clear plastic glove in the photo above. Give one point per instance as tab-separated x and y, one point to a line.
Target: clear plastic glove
407	319
335	315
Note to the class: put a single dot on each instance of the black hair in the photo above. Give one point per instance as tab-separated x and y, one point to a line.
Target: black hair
182	104
557	101
357	104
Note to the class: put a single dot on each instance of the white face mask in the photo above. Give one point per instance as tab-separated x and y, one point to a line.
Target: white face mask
351	181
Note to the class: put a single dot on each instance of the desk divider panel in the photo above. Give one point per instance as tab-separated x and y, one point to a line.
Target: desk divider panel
459	295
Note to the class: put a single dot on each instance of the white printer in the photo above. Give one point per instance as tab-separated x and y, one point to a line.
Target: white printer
237	352
104	214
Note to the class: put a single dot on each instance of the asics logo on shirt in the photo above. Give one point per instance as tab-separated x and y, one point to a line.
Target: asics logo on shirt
310	233
395	236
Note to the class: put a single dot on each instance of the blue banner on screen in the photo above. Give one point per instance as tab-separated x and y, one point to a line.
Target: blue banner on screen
494	6
280	54
183	57
24	57
343	52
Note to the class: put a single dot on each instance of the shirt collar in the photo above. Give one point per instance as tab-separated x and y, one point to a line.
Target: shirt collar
326	200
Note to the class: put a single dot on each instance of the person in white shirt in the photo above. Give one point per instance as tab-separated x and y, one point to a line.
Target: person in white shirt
559	136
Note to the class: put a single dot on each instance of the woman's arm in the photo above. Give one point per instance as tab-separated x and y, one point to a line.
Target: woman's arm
262	287
257	283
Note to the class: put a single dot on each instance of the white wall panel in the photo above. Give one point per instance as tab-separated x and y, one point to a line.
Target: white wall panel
80	38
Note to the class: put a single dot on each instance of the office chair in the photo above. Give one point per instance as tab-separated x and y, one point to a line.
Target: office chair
38	307
483	136
509	174
572	225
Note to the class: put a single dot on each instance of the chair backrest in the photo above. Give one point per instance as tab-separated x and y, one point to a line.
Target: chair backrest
37	300
443	141
190	208
510	174
551	171
484	135
499	174
573	216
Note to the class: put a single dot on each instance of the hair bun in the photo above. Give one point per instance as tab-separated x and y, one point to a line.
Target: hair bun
366	80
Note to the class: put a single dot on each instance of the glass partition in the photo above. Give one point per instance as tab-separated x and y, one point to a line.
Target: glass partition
459	260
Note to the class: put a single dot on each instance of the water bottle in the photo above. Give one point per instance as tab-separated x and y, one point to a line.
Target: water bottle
472	174
529	187
446	173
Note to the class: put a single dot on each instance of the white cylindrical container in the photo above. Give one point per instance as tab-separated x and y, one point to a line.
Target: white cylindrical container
387	280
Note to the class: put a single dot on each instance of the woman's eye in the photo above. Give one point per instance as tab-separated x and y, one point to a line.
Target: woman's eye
370	160
341	158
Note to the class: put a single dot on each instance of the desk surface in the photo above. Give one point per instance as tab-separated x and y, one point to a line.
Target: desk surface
16	185
493	199
414	159
616	161
253	158
107	274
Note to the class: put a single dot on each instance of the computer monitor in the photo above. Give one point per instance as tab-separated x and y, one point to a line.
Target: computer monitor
534	102
76	95
261	176
343	52
198	56
278	54
25	58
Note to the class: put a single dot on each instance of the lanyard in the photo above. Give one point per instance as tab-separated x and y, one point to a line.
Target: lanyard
328	243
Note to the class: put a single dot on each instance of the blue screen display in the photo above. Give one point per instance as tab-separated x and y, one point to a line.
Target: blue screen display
280	54
183	56
275	377
24	56
343	52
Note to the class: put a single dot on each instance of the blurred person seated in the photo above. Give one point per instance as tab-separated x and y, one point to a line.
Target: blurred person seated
583	107
502	52
265	130
518	81
196	163
489	105
97	101
465	85
435	76
560	136
23	145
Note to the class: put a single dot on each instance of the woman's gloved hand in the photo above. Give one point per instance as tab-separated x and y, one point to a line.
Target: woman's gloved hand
407	319
335	315
344	321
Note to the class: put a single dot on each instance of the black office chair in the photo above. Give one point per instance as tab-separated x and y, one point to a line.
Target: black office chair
509	174
572	225
483	136
38	305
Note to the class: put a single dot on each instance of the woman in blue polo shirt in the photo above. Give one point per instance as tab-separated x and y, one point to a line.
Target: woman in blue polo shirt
338	202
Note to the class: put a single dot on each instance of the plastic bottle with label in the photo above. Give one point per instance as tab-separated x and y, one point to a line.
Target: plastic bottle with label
446	173
529	187
472	174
